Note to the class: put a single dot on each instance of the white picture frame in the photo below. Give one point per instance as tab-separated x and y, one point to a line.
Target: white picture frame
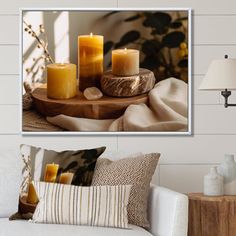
78	133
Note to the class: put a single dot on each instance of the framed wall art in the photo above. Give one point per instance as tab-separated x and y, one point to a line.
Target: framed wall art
106	71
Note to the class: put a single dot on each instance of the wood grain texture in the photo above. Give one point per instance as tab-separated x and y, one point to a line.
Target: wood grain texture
212	216
79	106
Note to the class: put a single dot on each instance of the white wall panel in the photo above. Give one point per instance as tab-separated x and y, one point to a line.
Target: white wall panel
12	6
193	150
9	29
9	89
199	6
183	178
58	142
9	59
214	29
9	119
215	119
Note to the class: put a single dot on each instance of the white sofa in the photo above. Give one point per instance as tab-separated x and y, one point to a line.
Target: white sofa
168	210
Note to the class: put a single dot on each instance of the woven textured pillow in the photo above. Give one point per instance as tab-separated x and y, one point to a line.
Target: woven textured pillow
138	172
81	163
93	206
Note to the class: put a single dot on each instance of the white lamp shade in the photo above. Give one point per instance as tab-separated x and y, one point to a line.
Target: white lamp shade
221	75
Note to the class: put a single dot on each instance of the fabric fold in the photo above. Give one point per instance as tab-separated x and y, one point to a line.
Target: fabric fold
167	112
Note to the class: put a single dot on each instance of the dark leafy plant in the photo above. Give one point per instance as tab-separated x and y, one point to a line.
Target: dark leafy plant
164	50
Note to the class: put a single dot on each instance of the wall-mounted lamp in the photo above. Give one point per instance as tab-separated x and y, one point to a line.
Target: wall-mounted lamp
221	75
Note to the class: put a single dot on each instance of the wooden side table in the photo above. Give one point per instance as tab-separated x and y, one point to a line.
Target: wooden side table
211	216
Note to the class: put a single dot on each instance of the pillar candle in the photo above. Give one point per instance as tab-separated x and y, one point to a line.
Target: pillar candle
61	81
90	57
51	173
32	196
125	62
66	178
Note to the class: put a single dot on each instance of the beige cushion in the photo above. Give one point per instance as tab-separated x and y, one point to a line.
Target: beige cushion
94	206
137	172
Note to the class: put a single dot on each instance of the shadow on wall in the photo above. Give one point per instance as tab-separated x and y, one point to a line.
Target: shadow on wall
62	30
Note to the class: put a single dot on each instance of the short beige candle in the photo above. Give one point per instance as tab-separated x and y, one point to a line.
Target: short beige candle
125	62
66	178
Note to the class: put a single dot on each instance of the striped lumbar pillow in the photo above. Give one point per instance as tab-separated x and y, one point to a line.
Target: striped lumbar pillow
73	205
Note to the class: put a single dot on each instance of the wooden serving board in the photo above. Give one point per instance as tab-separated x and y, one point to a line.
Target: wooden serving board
79	106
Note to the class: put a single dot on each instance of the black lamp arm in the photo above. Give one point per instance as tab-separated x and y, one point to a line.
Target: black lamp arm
226	95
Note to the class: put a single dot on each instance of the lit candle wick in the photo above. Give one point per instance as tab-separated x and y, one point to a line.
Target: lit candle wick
125	50
91	35
61	64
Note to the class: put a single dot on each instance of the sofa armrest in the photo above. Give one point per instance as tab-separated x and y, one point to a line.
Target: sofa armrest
168	212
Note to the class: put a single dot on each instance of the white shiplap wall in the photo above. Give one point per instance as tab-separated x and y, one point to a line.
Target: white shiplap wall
184	159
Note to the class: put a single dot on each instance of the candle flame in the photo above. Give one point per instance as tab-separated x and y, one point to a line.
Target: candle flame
91	35
125	49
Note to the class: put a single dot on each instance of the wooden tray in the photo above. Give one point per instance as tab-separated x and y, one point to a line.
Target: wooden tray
79	106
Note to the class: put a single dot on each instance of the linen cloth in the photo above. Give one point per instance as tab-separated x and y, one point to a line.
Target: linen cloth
167	111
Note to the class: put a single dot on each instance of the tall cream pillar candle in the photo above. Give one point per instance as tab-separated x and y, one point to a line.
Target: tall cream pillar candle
125	62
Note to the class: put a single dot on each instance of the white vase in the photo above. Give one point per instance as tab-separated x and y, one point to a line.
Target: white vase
228	170
213	183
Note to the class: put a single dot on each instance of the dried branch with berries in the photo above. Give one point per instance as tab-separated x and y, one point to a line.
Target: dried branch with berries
38	65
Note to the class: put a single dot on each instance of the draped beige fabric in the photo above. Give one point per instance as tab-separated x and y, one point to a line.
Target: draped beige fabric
167	111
